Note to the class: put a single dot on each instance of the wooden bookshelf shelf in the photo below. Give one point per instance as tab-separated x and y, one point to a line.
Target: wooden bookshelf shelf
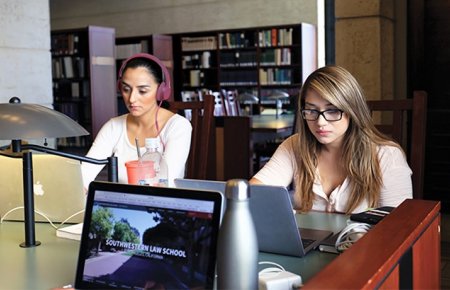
255	60
83	70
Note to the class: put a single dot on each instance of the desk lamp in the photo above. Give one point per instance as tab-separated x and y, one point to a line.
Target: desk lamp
278	96
30	121
248	98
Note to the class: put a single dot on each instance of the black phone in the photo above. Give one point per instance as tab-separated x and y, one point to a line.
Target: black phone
372	216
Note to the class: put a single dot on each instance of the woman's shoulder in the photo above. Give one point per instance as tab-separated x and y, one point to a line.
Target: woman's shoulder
288	145
115	122
391	155
118	119
390	150
291	140
178	121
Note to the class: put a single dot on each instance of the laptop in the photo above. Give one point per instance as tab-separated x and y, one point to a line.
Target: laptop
213	185
202	184
274	218
58	189
276	226
142	237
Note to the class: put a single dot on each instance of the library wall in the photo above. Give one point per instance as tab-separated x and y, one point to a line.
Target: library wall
371	43
25	52
143	17
382	23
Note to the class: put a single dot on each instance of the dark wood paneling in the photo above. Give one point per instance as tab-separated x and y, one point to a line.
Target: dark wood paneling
429	69
374	260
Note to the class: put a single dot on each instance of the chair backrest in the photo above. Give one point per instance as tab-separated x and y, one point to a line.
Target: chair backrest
202	120
219	106
407	126
231	103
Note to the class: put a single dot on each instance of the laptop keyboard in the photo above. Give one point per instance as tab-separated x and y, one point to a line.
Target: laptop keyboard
307	242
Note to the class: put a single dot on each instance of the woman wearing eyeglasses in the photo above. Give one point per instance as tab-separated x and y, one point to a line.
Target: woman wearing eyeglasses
338	161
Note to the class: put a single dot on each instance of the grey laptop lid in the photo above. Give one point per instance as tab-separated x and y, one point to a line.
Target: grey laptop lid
202	184
274	218
214	185
57	186
276	226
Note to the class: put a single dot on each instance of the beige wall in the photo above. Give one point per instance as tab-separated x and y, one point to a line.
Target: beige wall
25	51
141	17
371	44
370	34
25	59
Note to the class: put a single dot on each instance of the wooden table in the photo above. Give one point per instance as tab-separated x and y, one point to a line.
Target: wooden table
402	251
272	124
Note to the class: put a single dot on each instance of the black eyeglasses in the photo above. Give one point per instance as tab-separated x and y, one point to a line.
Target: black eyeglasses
329	115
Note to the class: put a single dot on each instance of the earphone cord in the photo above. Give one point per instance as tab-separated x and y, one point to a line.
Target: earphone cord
157	126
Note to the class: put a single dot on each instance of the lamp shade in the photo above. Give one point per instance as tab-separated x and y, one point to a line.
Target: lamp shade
248	98
31	121
276	95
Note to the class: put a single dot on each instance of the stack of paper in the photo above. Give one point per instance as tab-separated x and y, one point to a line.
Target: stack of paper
72	232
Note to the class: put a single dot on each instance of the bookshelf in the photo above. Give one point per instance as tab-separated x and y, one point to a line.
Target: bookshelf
157	44
258	60
84	87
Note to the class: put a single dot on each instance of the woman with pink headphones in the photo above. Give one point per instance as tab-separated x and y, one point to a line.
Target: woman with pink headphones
144	83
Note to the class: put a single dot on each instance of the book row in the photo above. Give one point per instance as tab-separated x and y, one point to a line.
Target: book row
264	38
200	78
78	111
275	76
238	77
65	44
203	60
69	67
198	43
63	90
124	51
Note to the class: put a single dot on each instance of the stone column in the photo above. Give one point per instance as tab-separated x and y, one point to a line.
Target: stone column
365	44
25	59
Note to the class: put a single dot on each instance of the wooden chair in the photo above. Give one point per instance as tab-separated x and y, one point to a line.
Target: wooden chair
231	103
407	126
266	149
202	120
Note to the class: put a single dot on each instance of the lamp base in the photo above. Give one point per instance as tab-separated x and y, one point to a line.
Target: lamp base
25	245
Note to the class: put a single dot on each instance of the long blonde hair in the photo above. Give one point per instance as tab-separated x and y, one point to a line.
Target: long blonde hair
360	147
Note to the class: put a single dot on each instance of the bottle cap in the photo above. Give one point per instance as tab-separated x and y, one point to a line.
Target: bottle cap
151	143
237	189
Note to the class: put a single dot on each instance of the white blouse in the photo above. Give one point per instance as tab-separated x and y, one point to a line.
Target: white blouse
112	138
397	184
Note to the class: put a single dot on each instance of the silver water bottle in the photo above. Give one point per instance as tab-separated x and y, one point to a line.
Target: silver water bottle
237	256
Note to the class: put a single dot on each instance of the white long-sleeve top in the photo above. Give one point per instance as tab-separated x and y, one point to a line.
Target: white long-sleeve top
397	184
112	138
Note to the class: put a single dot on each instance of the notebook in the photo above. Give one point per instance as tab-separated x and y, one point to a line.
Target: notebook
274	218
142	237
57	184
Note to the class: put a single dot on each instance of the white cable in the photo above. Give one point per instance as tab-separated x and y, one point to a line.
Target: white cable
269	270
77	213
35	211
277	277
41	214
8	212
350	234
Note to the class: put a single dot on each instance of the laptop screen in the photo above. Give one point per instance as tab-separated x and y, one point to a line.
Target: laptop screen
142	237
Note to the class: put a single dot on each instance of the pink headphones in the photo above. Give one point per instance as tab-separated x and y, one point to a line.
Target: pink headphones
164	89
